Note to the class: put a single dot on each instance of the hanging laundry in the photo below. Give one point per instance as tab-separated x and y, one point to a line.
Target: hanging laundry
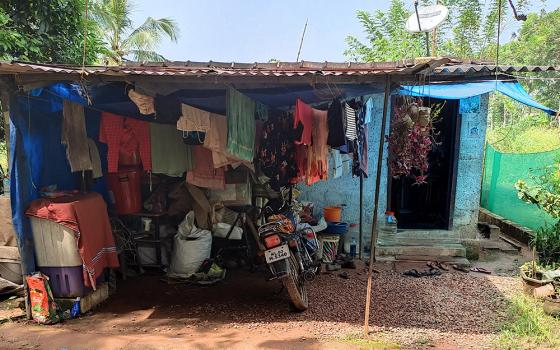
240	111
193	119
350	119
303	122
360	156
337	126
95	159
168	109
216	141
318	152
335	163
203	173
276	155
144	103
74	136
262	111
369	106
125	135
170	155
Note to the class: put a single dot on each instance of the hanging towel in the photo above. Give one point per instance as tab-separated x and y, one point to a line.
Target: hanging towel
303	119
170	155
317	158
203	173
127	135
95	159
240	111
74	136
144	103
193	119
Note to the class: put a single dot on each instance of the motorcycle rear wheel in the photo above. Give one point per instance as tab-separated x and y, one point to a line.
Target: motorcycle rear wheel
294	284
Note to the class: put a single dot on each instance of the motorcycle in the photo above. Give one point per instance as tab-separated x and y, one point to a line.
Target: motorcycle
291	256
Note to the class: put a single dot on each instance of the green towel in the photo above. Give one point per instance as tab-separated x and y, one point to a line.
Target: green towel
240	111
170	155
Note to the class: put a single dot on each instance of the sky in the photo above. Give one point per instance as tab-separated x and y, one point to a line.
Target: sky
260	30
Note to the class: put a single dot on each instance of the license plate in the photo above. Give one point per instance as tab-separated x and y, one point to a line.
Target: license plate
278	253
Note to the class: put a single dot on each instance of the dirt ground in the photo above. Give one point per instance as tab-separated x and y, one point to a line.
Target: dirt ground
451	311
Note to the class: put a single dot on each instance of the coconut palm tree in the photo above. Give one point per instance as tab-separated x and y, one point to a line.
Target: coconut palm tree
113	18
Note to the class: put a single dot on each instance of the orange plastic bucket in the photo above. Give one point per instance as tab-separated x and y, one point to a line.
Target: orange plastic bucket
333	214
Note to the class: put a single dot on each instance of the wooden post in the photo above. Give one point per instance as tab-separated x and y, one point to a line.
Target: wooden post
376	202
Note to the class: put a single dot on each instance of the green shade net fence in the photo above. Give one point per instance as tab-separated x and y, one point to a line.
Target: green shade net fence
501	172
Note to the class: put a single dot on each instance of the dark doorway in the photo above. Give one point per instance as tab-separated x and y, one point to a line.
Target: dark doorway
430	205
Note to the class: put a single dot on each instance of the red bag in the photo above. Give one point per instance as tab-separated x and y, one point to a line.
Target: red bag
43	307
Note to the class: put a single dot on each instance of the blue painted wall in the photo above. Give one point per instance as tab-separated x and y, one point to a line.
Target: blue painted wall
474	112
345	190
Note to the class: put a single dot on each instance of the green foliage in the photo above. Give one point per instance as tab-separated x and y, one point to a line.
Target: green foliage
113	18
537	44
516	128
387	38
470	31
46	31
528	326
546	241
545	193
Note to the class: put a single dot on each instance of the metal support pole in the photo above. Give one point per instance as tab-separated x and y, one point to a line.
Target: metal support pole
376	201
361	246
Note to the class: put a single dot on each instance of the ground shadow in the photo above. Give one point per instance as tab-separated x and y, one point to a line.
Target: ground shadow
452	302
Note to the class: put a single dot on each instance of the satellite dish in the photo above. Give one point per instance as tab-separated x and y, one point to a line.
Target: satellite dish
426	19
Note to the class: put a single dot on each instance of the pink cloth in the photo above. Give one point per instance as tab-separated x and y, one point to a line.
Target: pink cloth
125	135
204	174
87	215
304	115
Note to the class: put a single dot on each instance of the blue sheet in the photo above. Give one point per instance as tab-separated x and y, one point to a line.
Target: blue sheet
464	90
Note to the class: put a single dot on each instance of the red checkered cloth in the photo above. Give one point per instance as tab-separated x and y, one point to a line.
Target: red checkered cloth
85	214
125	135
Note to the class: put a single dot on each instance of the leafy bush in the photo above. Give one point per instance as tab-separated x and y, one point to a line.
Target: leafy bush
546	195
546	241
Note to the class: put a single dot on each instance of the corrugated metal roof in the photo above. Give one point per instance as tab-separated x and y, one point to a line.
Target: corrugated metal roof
491	68
188	68
435	66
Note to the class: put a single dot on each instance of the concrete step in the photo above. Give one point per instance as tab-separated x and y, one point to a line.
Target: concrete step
425	258
391	241
434	234
439	250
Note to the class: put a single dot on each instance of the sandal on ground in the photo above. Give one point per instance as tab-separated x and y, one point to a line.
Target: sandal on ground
481	270
460	268
432	272
442	266
413	273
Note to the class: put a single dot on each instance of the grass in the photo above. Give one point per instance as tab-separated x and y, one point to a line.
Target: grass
527	140
528	326
370	343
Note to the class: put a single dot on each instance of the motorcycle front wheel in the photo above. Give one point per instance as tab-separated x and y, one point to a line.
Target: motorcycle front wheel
294	284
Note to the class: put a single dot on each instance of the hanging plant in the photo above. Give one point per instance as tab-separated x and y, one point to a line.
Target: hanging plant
411	138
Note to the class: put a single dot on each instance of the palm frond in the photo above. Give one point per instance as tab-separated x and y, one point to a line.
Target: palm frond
146	56
150	34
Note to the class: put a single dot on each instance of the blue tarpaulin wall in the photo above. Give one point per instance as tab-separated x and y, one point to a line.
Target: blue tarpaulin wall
464	90
38	158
